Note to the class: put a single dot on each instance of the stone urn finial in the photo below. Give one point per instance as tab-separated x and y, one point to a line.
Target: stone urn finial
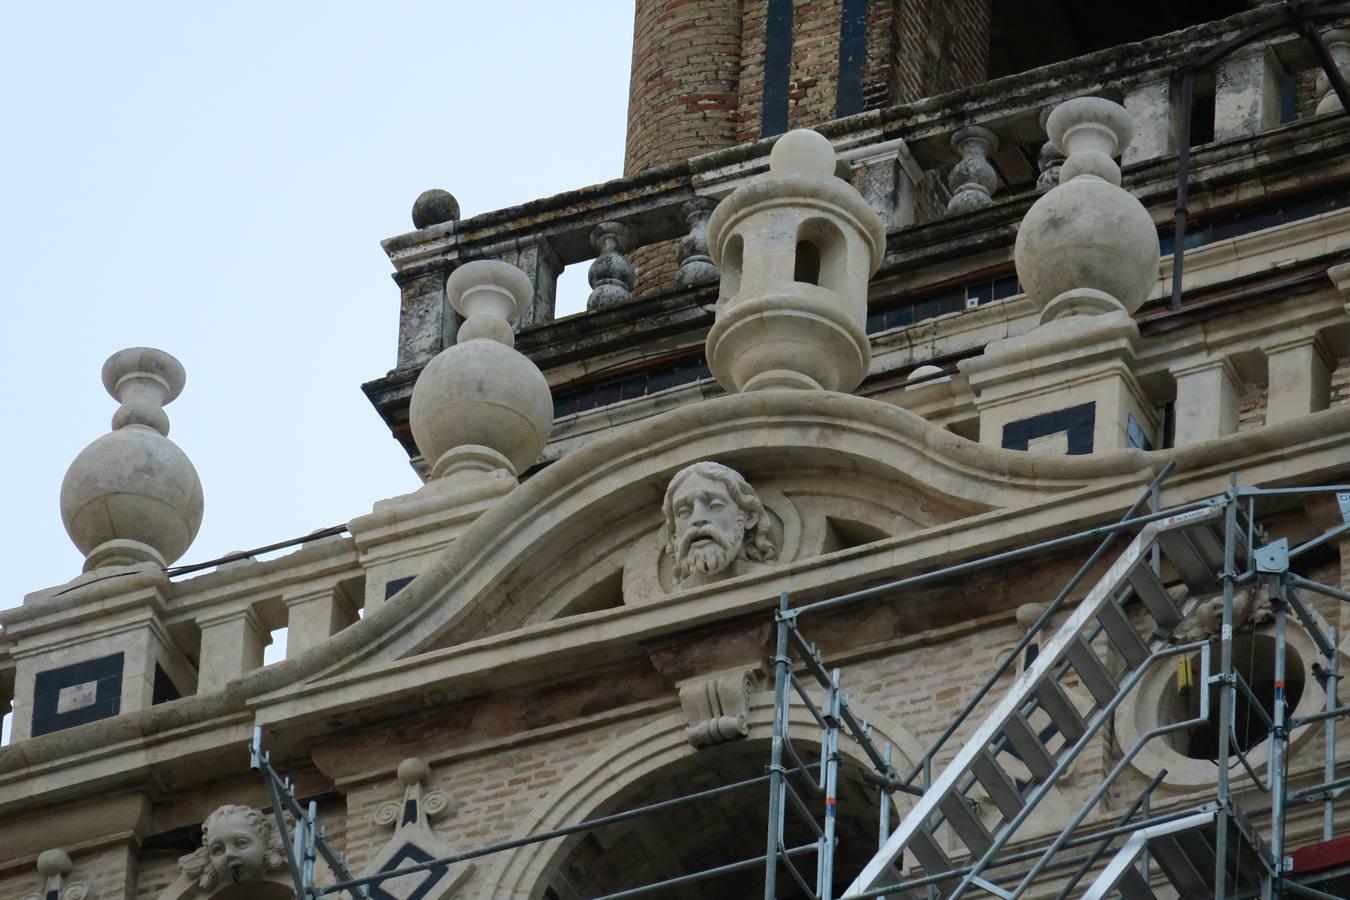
795	248
1087	245
132	495
479	405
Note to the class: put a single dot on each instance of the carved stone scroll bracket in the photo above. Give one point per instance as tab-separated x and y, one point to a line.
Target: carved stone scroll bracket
54	866
418	800
413	840
717	707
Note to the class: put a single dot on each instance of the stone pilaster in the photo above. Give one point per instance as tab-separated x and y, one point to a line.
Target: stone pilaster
1247	93
1207	400
313	616
1151	106
232	644
1299	378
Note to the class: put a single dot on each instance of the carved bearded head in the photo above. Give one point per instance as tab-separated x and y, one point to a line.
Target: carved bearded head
239	844
714	521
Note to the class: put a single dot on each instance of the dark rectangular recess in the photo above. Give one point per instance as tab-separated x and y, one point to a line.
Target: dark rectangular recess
106	671
777	67
1078	421
852	58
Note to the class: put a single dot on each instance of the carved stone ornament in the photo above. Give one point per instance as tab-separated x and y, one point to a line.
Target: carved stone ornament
717	706
716	526
414	842
54	866
1251	607
242	856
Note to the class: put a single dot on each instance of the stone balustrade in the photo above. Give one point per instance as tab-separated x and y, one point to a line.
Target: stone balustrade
988	145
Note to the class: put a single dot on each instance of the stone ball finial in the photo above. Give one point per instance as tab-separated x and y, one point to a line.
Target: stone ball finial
434	207
802	152
413	770
132	495
479	405
53	862
1087	245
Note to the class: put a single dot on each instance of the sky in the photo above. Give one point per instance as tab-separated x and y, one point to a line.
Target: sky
214	180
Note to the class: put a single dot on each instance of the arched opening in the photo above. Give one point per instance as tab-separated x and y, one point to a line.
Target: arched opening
806	269
1254	660
733	254
821	255
712	832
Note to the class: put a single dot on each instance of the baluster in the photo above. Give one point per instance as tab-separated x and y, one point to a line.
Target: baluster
611	275
1050	160
696	266
973	179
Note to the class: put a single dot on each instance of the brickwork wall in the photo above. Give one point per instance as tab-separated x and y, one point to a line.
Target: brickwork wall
1252	406
110	872
943	45
1340	383
814	76
682	97
491	794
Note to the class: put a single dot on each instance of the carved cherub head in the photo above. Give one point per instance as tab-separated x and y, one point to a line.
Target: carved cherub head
239	844
714	523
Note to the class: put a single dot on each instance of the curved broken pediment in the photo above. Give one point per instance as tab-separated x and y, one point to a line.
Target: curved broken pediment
835	471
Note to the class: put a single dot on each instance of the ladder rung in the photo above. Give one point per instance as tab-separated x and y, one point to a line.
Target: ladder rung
929	854
965	823
1091	671
1208	542
1001	789
1155	597
1198	573
1028	746
1060	709
1132	886
1189	868
1122	633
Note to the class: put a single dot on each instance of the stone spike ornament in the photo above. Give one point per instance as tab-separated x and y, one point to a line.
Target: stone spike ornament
133	496
795	248
1087	245
480	405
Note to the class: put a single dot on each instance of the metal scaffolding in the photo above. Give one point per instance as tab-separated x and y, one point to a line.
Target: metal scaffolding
1149	842
1216	543
1220	829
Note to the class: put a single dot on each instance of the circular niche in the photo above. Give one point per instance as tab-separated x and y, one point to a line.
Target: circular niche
1164	696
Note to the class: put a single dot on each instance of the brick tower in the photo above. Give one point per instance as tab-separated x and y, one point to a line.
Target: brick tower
713	73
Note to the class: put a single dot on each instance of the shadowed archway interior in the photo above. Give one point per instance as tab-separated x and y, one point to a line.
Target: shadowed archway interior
713	832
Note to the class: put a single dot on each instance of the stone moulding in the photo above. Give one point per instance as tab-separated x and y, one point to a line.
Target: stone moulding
361	659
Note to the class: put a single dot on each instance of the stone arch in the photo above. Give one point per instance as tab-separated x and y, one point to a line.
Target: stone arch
524	873
482	583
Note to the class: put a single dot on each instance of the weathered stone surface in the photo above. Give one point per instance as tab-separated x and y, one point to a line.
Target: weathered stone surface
434	207
132	495
795	249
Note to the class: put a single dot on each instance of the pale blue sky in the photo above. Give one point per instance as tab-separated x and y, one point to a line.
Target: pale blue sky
214	179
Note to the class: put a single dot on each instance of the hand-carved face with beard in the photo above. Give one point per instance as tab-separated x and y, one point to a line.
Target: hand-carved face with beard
709	526
713	521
